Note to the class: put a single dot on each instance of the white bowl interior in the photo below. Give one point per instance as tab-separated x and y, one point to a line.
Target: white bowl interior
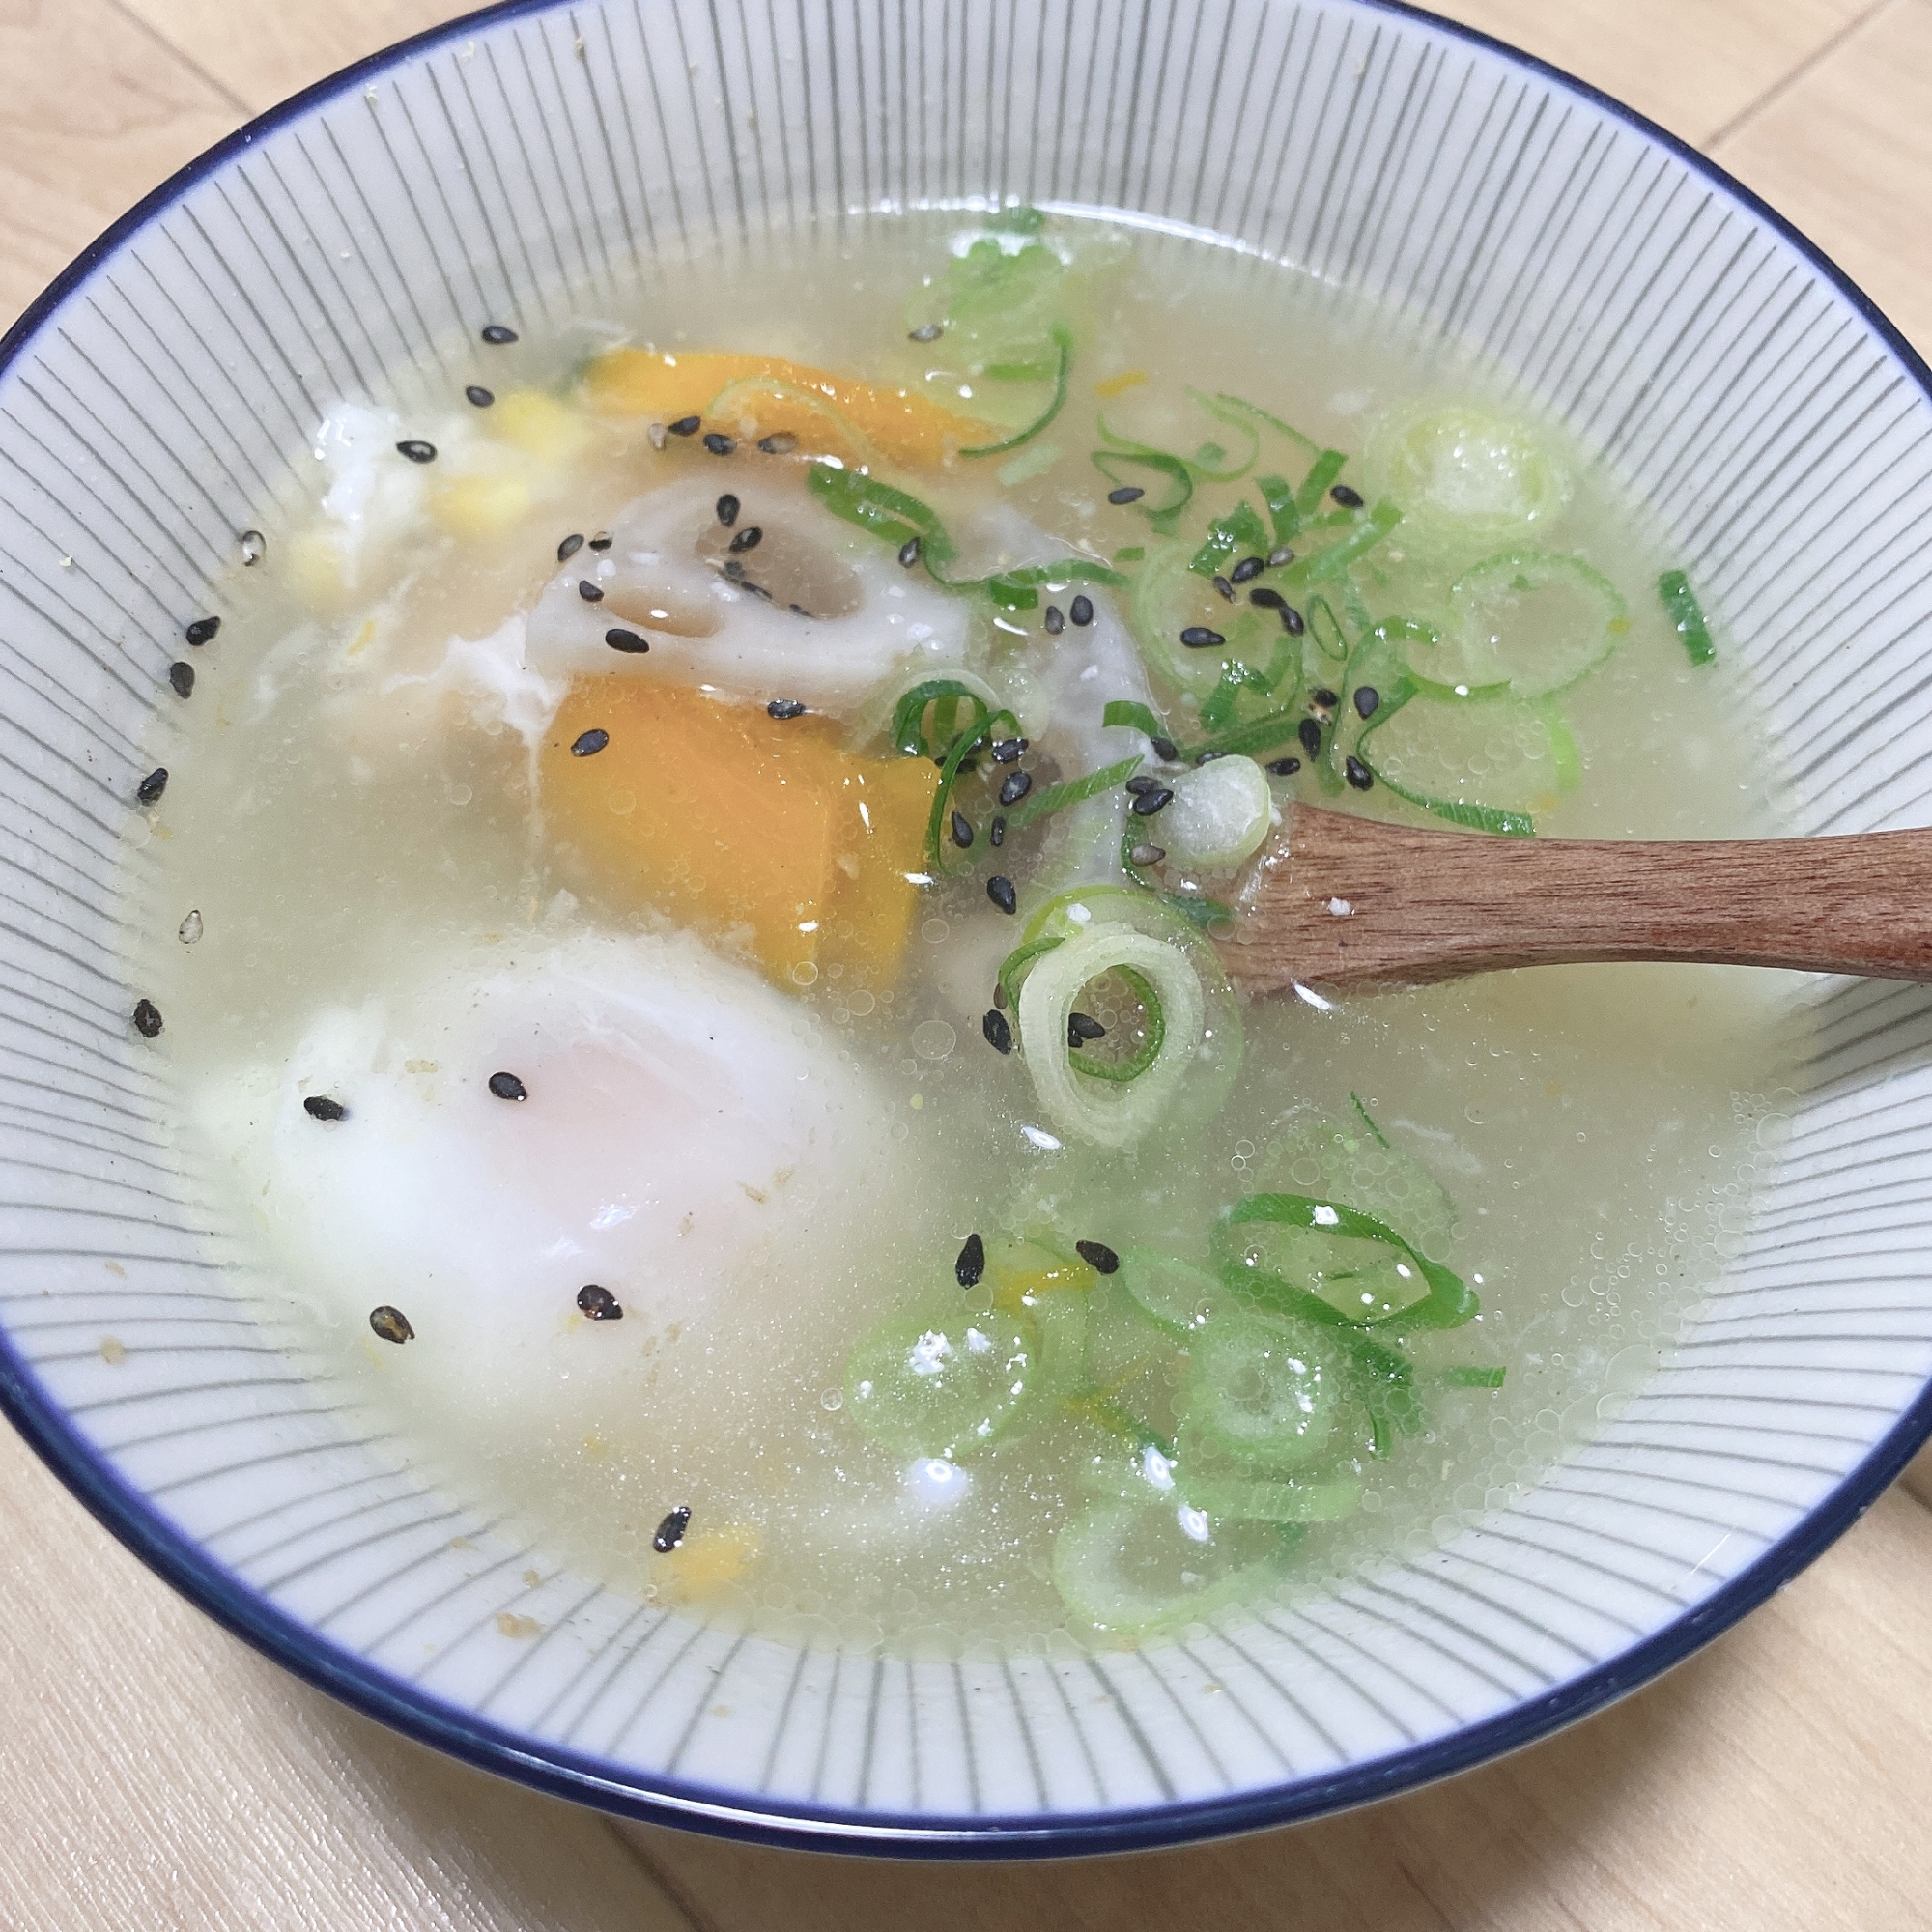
559	159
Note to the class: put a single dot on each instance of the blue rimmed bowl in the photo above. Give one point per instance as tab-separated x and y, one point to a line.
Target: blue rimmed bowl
160	398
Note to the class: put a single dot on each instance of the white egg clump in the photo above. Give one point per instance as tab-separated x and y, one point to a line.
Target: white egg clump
686	1143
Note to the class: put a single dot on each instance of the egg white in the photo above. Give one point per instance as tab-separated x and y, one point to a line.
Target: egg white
689	1143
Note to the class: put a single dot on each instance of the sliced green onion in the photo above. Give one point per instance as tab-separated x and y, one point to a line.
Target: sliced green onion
1687	616
1137	1567
1180	480
1133	716
1063	342
1449	1302
1320	477
1040	805
1051	991
1374	1132
893	515
932	1389
1278	494
908	727
1266	1388
1534	622
1471	1376
1472	480
984	732
1174	1293
1221	814
1273	422
1321	565
1326	629
1240	532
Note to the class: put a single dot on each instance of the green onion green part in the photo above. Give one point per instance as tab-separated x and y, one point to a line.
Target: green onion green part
1687	616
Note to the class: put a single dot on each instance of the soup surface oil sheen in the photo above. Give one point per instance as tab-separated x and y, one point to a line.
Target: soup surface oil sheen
610	821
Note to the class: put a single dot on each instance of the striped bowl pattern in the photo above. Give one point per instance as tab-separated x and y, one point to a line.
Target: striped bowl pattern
545	158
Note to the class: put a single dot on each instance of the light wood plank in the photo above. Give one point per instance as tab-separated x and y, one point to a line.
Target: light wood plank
1693	65
1846	154
158	1775
94	110
1773	1782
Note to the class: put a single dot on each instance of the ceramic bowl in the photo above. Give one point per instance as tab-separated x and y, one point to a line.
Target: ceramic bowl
160	398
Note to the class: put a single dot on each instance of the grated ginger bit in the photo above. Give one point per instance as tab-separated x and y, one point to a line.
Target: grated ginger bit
512	1625
1118	385
709	1559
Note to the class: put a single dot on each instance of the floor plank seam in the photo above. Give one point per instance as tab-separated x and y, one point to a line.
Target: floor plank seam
150	32
673	1893
1786	82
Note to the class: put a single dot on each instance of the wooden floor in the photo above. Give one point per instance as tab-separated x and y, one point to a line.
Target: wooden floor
154	1774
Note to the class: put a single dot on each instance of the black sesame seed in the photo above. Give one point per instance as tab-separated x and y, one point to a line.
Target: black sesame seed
999	1035
151	787
180	675
1165	749
1368	700
1147	855
1006	750
669	1533
591	593
749	538
785	707
1199	638
621	639
727	509
719	443
734	570
996	833
1285	768
1080	613
685	426
476	394
1356	773
969	764
1249	566
254	548
780	444
601	541
1151	802
495	334
1310	734
1084	1027
202	631
1000	889
319	1107
1323	697
1226	588
1207	757
909	553
599	1303
147	1018
1291	621
1127	493
1097	1255
588	744
926	331
508	1086
1266	599
1142	782
1349	499
962	830
1279	556
972	1262
1014	786
569	547
1055	620
416	449
391	1323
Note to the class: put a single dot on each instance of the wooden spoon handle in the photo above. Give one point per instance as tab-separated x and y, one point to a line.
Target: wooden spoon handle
1343	900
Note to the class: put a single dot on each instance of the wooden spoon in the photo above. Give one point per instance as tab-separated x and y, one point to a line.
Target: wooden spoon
1338	901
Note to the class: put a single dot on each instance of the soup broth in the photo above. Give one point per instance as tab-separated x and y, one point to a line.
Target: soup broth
687	912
